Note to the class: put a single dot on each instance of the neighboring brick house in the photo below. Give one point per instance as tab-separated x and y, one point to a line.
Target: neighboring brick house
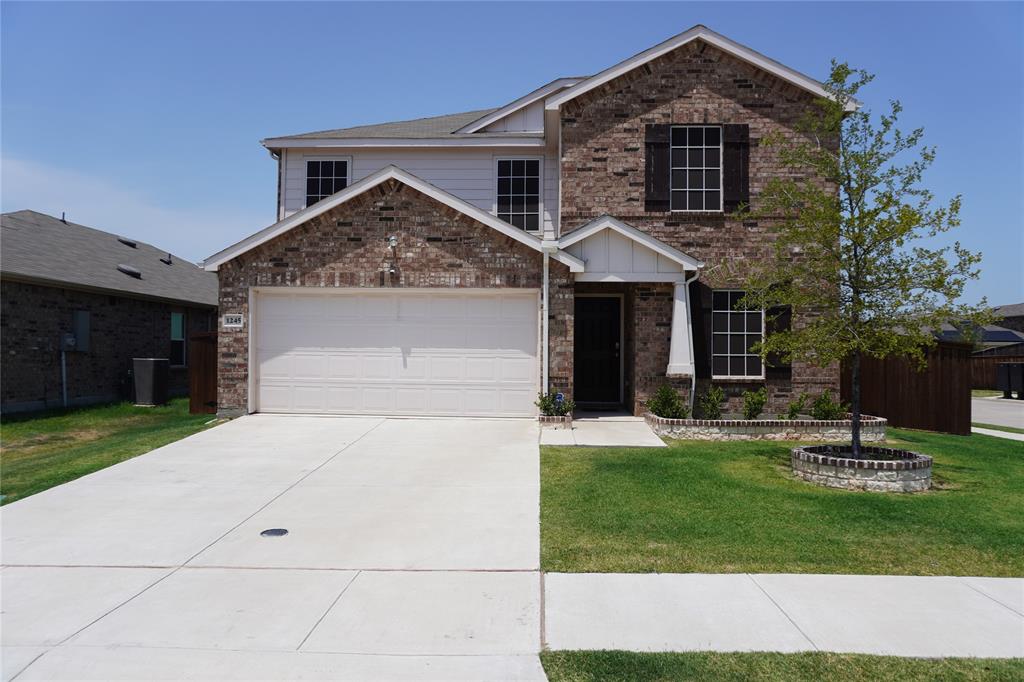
589	237
119	298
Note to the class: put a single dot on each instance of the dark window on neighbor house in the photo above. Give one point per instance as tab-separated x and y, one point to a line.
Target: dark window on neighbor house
734	332
324	178
177	339
519	192
696	168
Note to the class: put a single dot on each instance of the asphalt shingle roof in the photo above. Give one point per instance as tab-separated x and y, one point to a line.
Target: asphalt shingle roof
39	247
1011	310
434	126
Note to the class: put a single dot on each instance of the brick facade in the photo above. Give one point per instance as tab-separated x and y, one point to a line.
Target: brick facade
347	246
34	318
602	172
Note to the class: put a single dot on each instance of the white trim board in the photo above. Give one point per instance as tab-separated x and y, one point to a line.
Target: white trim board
521	103
390	172
492	140
698	32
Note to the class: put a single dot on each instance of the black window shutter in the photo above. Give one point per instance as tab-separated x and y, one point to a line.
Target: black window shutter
777	320
656	167
700	320
735	166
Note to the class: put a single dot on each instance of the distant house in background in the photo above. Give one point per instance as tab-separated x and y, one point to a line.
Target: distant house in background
1012	316
988	339
100	298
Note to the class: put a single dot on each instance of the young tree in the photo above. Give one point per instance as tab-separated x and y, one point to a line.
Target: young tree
849	257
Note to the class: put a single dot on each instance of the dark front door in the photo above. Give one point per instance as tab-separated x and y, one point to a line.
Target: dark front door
598	335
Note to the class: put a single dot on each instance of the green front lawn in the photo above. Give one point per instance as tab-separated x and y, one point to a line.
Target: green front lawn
39	451
735	507
624	666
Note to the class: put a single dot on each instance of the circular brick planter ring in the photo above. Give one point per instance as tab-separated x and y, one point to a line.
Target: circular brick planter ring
884	470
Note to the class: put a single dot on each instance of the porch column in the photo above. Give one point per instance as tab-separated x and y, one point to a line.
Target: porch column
680	355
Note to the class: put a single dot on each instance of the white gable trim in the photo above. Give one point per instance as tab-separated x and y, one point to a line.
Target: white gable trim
606	222
707	35
521	103
369	182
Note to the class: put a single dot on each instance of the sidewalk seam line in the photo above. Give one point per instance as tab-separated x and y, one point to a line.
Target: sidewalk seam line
29	665
328	610
963	581
783	611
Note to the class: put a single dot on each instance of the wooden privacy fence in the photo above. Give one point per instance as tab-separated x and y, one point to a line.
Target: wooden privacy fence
202	373
984	369
937	398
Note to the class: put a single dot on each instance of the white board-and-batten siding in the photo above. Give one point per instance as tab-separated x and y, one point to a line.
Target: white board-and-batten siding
610	255
469	174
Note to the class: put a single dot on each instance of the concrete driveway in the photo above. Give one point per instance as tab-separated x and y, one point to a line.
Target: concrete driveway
412	553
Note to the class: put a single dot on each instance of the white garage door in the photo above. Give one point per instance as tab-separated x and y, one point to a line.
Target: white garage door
388	351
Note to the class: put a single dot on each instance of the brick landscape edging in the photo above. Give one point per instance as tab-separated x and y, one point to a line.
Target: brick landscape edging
825	465
556	422
872	429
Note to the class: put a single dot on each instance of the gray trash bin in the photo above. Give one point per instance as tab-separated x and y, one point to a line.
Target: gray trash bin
150	380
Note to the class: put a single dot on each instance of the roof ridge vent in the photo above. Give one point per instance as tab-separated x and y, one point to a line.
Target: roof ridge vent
166	260
129	270
128	242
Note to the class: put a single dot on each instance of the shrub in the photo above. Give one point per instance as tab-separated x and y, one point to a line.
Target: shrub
795	408
753	403
666	403
824	407
711	403
551	406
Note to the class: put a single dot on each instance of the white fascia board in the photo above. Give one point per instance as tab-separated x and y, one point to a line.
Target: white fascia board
369	182
522	102
707	35
376	142
607	222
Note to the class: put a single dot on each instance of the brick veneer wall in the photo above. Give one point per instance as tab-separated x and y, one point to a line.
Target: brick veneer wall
602	172
347	246
34	318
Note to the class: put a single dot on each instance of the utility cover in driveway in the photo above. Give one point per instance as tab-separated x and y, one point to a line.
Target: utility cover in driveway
404	352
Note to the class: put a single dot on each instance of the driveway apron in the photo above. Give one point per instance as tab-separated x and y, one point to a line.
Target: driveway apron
411	552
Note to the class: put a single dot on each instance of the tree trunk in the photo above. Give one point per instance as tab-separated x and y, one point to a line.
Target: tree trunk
855	404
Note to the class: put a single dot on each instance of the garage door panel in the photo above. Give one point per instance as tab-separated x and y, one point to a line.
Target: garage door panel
397	352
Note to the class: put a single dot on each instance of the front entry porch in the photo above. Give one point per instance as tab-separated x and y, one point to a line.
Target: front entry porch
631	328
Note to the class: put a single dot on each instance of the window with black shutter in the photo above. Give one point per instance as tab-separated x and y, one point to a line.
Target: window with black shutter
696	163
735	331
735	166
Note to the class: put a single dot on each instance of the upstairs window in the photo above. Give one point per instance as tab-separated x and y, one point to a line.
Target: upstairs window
177	340
734	333
696	168
519	193
324	178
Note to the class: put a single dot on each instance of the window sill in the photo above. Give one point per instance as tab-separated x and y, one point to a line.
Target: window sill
737	380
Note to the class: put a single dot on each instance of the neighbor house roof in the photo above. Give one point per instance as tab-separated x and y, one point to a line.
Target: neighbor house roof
698	32
989	333
45	250
391	172
1011	310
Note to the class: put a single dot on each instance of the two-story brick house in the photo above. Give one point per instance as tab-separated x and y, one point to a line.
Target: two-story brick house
589	236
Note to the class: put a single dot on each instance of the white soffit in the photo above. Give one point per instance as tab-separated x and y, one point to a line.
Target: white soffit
521	103
707	35
607	222
390	172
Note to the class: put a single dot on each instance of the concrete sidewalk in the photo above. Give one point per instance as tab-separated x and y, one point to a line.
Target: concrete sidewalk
1009	435
889	615
604	429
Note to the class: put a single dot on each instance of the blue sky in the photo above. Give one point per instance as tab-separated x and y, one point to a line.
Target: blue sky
145	118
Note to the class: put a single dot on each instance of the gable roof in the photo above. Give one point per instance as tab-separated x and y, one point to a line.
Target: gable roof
390	172
45	250
698	32
607	222
526	100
